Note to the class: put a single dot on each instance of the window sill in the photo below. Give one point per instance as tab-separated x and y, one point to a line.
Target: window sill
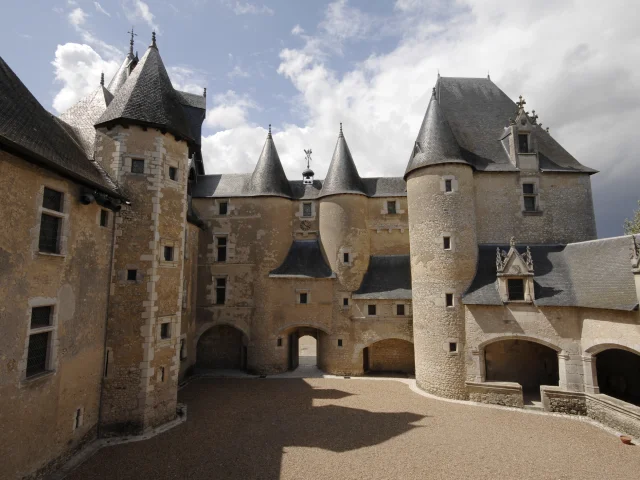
519	301
33	379
532	213
48	254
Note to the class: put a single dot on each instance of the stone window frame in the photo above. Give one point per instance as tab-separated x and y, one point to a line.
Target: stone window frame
63	215
452	243
216	207
385	208
536	189
172	321
528	285
108	214
406	309
52	347
300	212
128	164
454	184
176	253
447	347
341	253
124	274
375	306
214	290
168	164
453	300
216	236
348	299
303	290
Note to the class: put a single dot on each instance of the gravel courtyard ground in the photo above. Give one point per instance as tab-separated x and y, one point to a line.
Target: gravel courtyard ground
358	429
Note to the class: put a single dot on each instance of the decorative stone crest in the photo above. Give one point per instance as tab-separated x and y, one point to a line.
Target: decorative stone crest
635	254
512	262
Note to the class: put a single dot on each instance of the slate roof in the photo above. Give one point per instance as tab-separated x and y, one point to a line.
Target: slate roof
148	98
121	75
192	99
342	176
29	130
593	274
477	112
268	178
388	277
435	143
304	260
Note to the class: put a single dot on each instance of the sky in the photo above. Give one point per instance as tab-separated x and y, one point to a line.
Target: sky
304	66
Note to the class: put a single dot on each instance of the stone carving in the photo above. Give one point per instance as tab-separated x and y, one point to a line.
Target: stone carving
501	259
305	225
635	254
528	259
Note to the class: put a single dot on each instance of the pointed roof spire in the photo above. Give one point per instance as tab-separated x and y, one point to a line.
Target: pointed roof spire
131	42
204	93
148	98
268	177
102	79
342	176
436	143
153	40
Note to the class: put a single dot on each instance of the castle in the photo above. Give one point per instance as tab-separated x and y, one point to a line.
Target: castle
125	267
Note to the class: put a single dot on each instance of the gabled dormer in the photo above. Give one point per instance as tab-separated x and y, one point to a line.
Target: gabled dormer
519	139
515	274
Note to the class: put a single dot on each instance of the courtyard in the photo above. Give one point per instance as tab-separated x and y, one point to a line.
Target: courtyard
330	428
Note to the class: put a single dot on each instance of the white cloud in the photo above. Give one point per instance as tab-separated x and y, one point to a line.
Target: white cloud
77	17
78	68
582	85
187	79
230	111
246	8
139	10
297	30
237	72
100	9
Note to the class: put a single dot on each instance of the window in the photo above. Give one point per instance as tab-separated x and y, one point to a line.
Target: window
173	173
446	243
400	310
279	342
529	193
132	275
345	257
391	207
137	165
449	299
165	330
304	297
515	287
104	218
222	249
523	143
221	290
371	309
453	347
345	302
168	254
448	185
306	209
339	342
38	352
50	225
223	208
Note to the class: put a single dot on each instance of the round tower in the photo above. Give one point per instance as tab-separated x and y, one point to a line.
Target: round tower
443	246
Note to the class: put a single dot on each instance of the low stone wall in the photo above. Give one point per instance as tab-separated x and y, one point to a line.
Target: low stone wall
508	394
554	399
614	413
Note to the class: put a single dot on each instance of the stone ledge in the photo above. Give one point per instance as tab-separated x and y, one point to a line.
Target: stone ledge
497	393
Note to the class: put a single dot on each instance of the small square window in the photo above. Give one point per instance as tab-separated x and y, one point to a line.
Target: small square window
371	309
515	287
345	302
41	317
165	330
449	299
453	347
306	209
52	200
400	310
223	208
446	243
523	143
104	218
448	185
173	173
279	343
391	207
132	275
528	188
345	257
339	342
168	254
529	204
304	298
137	165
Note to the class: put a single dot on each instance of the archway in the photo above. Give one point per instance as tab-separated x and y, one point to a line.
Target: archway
618	374
308	351
303	346
222	347
525	362
389	356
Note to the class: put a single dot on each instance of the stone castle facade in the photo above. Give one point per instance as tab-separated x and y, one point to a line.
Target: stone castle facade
126	268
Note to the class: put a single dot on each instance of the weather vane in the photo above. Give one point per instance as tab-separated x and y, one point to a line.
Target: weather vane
308	157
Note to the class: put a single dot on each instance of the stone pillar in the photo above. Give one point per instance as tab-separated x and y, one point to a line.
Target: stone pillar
590	374
562	369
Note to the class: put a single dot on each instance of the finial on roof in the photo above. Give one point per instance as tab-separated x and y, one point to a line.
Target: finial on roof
547	129
438	73
204	94
131	42
488	75
269	134
433	92
512	242
153	40
102	79
308	157
341	135
534	117
521	103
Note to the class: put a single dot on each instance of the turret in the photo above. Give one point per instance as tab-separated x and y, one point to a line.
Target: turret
442	236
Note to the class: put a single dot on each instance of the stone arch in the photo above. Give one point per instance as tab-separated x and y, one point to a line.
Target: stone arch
391	354
601	345
296	326
203	328
527	338
221	346
610	368
373	337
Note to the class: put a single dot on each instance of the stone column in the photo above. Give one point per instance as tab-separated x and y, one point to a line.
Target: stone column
590	374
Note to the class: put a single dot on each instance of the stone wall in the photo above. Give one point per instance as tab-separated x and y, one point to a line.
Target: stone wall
556	400
508	394
392	355
614	413
187	351
39	412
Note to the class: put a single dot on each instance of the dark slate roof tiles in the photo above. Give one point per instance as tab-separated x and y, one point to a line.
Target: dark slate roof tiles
268	178
304	260
388	277
192	100
342	176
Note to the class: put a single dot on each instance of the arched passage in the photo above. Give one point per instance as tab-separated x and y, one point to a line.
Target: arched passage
303	343
308	351
618	374
389	356
525	362
222	347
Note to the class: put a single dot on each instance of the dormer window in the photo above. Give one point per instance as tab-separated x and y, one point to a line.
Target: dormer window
514	271
523	143
515	289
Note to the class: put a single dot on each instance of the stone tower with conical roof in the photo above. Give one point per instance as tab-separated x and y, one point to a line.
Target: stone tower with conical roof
143	140
440	193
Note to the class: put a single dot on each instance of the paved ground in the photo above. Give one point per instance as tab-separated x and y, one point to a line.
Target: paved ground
241	428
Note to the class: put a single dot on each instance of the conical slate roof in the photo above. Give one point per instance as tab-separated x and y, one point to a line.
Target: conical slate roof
121	75
269	178
435	143
342	176
28	129
148	98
